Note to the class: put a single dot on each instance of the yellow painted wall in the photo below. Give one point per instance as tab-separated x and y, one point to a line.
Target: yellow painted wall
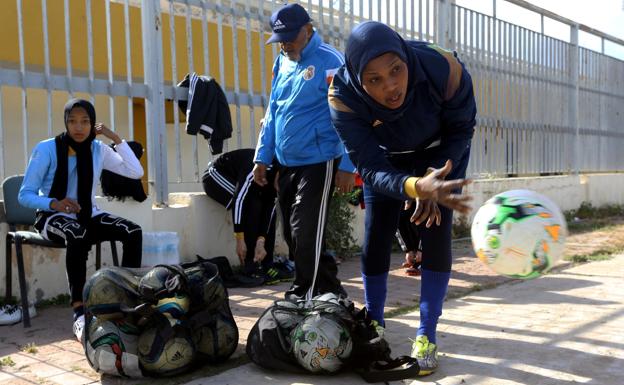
34	51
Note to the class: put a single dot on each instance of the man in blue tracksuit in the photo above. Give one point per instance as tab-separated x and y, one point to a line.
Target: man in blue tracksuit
298	132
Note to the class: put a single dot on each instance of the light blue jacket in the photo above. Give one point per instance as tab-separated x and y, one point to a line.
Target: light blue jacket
41	168
297	126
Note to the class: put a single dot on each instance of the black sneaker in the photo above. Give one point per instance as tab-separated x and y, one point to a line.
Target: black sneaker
276	275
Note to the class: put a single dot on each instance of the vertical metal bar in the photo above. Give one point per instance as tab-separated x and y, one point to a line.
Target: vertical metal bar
274	49
239	142
262	59
330	35
482	60
20	29
420	19
151	24
205	39
498	163
2	170
129	71
465	35
404	7
321	18
443	24
109	50
458	33
189	38
351	19
174	81
191	66
90	50
46	60
412	21
370	10
220	38
428	38
68	61
250	80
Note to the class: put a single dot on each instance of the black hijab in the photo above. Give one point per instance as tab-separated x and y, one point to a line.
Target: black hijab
367	41
84	162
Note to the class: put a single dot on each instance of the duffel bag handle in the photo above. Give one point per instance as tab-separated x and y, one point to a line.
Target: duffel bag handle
386	371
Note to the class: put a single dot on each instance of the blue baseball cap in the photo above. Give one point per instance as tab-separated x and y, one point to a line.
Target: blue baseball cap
286	23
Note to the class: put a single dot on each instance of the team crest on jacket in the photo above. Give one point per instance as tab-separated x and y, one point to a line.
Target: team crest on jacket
308	73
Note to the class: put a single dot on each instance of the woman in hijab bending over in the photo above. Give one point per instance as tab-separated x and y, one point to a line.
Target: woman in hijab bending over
405	111
60	183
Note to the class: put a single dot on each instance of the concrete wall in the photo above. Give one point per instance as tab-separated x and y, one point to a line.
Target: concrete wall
205	228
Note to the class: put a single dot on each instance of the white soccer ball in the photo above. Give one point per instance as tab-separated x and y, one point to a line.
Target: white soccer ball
321	344
519	233
112	347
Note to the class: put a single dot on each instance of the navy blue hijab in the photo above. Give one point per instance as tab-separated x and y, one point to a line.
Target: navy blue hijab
367	41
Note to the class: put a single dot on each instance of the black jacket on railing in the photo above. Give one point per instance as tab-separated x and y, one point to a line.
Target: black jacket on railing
207	111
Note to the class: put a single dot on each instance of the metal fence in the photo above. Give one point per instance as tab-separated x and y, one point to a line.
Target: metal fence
545	105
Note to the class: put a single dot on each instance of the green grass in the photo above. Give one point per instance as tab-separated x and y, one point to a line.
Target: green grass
598	255
30	348
7	361
588	211
61	299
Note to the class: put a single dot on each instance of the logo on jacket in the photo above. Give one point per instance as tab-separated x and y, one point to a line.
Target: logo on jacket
308	73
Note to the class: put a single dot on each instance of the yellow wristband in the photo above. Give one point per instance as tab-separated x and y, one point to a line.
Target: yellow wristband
239	236
410	187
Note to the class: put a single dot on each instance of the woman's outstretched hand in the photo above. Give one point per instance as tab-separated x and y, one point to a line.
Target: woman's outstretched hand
434	187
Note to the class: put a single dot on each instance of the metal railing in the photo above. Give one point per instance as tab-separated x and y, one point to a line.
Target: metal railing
545	105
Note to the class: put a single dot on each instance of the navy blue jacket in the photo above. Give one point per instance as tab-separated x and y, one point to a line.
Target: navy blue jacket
435	123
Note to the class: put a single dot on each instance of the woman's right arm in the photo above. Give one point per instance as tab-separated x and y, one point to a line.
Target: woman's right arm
34	177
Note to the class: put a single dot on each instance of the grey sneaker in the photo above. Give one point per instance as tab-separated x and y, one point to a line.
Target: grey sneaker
427	355
78	327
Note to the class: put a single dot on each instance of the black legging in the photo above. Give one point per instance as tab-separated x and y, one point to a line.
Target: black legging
382	220
78	240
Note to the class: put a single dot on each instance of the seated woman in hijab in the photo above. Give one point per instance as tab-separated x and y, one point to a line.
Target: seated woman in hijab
405	110
60	183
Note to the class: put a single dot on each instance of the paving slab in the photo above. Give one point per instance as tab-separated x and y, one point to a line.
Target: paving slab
564	328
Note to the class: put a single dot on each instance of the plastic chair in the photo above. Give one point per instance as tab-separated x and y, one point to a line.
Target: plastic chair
17	214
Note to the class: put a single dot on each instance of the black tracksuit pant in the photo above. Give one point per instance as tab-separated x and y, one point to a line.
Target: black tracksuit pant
304	195
79	239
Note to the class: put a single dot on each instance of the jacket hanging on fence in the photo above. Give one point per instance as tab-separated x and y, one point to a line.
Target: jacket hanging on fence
120	187
207	111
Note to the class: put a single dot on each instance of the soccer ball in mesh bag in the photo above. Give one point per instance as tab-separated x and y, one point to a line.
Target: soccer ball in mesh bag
321	344
112	347
159	357
215	341
519	233
175	306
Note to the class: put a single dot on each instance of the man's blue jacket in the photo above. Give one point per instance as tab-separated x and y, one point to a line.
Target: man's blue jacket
297	126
